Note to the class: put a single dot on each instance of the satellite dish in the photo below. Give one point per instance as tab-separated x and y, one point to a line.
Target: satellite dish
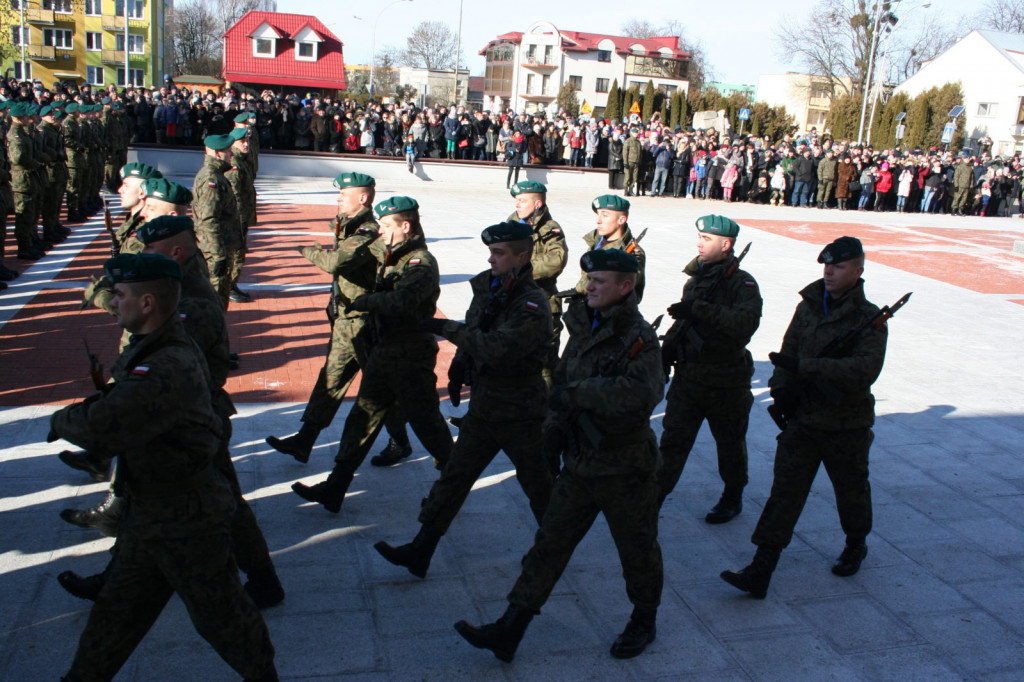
956	111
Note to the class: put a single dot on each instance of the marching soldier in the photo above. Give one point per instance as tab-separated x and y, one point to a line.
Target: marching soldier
216	214
827	412
612	232
400	365
720	310
607	383
242	179
501	348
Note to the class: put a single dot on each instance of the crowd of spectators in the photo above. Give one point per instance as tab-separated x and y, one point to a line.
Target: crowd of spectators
809	169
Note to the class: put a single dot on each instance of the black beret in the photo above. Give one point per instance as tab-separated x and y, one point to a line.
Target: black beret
841	250
140	267
162	227
611	260
510	231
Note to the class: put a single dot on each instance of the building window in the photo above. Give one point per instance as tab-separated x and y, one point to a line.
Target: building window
531	53
577	82
306	51
58	6
94	75
602	85
604	55
58	37
93	41
93	8
136	8
988	108
20	35
545	85
136	76
23	76
529	84
136	43
547	54
263	47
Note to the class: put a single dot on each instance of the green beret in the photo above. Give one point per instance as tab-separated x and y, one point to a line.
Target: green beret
238	133
139	170
58	104
354	180
46	111
244	117
217	143
841	250
140	267
6	104
511	231
718	224
71	108
105	100
163	227
19	109
167	190
528	187
395	205
56	113
118	106
609	260
612	202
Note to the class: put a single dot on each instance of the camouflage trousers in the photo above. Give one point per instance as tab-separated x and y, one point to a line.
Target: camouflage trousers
629	505
798	455
479	441
143	576
221	278
247	541
396	375
825	191
53	193
26	218
75	193
727	411
629	184
961	199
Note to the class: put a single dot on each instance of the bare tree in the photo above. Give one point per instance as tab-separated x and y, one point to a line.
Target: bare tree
1000	15
432	45
386	63
699	70
194	39
909	51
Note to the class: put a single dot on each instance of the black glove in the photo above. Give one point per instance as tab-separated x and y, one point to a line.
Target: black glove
432	325
456	380
361	304
220	268
554	445
786	362
682	310
558	398
787	399
669	355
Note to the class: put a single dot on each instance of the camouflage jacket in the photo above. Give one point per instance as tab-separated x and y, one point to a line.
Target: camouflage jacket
550	254
504	340
713	350
127	242
613	380
203	318
625	243
73	142
53	146
632	151
21	154
812	328
215	211
406	290
350	263
157	415
241	180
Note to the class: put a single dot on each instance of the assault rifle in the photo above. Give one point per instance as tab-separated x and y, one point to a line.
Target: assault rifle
837	348
108	223
670	351
572	295
95	369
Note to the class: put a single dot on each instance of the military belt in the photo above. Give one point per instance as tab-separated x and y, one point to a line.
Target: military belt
170	488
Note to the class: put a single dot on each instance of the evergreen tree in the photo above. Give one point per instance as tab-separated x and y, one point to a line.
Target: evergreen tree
568	100
647	105
613	111
919	120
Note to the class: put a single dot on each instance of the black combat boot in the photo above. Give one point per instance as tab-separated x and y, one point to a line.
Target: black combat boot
730	504
639	632
299	445
264	587
104	517
239	296
848	562
329	493
415	555
502	636
87	587
96	466
396	450
755	577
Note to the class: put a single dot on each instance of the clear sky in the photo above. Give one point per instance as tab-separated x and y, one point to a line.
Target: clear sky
740	39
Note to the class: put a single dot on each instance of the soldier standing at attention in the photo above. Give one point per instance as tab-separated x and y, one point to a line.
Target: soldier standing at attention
56	172
632	157
353	268
24	182
399	369
820	430
216	214
241	178
245	120
612	232
720	310
75	145
607	383
550	253
157	414
502	347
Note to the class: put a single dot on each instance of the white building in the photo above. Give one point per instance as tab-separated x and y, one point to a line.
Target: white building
807	98
989	66
526	70
435	86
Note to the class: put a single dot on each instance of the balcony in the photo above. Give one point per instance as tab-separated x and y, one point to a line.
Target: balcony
1017	130
820	102
117	56
540	64
540	93
112	23
39	16
43	53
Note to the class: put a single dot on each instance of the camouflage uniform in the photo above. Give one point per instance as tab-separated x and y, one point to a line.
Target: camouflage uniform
77	164
399	369
6	195
836	434
94	157
611	456
217	226
626	243
24	184
241	179
100	291
57	175
174	536
503	348
713	372
118	135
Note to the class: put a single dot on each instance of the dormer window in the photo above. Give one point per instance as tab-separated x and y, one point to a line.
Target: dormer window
264	41
307	43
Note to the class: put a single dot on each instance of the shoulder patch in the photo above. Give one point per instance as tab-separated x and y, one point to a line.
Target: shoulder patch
530	305
141	370
182	316
211	184
415	261
749	283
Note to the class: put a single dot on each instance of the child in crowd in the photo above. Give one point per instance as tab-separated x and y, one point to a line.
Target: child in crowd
410	152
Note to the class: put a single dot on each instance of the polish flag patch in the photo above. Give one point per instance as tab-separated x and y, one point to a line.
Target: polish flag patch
530	305
211	184
415	261
141	370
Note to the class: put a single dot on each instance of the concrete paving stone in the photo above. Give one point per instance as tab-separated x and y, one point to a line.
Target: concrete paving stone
957	562
971	639
1006	465
788	656
683	645
940	502
966	478
1001	599
1005	432
489	534
909	664
690	561
411	606
345	644
900	522
808	573
1010	506
907	590
442	656
856	623
994	535
726	611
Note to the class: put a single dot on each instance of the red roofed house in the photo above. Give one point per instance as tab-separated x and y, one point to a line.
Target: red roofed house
284	53
525	70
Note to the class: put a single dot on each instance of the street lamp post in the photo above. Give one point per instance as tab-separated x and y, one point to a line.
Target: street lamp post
373	42
871	66
458	50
